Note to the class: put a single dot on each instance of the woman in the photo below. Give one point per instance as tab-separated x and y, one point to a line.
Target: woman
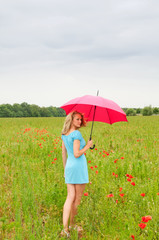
75	167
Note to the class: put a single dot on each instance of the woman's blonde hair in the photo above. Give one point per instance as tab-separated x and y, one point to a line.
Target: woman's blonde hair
69	119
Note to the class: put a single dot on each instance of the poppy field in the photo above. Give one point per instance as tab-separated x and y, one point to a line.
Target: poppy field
121	200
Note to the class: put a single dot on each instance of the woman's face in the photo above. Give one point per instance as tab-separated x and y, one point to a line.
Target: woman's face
77	120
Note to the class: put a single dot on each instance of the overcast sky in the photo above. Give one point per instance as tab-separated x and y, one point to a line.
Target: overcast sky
54	50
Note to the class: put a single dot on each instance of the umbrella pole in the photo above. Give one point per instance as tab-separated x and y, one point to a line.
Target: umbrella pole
92	123
93	120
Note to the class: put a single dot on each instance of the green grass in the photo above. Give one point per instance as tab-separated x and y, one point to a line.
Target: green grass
32	185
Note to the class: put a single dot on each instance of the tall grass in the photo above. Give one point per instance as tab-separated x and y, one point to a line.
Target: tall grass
33	190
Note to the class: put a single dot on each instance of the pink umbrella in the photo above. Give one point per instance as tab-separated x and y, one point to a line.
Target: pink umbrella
96	108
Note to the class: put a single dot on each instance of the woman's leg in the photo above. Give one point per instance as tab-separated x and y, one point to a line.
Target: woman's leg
79	189
68	203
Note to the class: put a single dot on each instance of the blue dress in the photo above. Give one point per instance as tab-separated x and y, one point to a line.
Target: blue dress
76	171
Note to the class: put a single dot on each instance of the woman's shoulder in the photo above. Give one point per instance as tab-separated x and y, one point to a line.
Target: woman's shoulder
77	134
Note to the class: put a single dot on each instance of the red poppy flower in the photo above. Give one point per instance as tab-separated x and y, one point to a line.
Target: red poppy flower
113	174
95	149
116	175
129	179
99	152
127	175
53	162
120	189
121	194
146	218
96	172
132	183
133	237
117	201
157	193
55	158
110	195
103	155
89	161
130	176
86	194
95	166
142	194
142	225
122	157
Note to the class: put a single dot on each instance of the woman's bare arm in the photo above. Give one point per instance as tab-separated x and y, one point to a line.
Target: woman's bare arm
76	148
64	154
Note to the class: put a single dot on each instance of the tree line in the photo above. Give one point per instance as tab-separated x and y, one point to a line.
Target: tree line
29	110
146	111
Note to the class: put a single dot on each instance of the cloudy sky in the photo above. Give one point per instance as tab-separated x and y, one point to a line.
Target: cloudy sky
54	50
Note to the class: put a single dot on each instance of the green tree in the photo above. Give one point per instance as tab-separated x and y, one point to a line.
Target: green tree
18	110
6	110
26	109
147	111
130	112
35	110
156	110
44	112
138	110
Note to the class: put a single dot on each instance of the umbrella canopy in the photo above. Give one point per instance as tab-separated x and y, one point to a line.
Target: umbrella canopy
96	108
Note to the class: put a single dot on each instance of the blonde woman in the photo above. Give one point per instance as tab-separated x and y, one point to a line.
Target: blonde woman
75	167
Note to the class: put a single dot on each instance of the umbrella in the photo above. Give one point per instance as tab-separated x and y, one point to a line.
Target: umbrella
96	108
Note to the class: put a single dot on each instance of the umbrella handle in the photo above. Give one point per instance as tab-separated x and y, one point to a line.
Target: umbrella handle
93	144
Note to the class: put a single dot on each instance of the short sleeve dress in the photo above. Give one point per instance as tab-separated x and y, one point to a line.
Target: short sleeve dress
76	171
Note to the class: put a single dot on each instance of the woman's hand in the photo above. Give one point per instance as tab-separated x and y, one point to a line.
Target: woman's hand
90	143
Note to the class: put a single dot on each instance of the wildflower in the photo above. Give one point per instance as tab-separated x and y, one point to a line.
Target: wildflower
116	175
86	194
103	155
129	179
133	237
110	195
142	194
132	183
89	161
146	218
116	201
130	176
121	194
95	166
142	225
113	174
120	189
95	149
127	175
96	172
122	157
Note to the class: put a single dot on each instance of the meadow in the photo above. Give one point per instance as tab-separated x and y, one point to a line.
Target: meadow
123	174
